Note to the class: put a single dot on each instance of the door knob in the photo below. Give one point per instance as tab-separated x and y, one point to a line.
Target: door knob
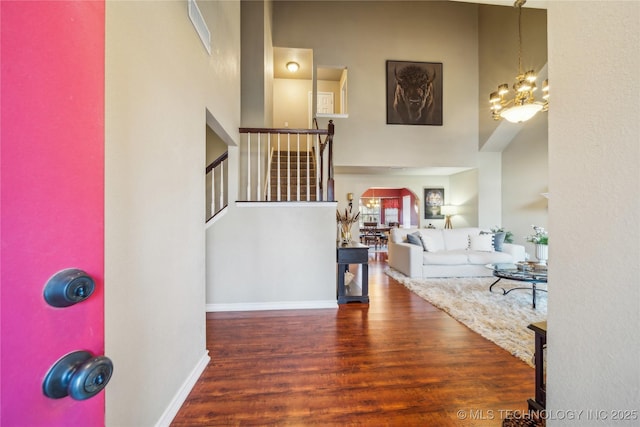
68	287
78	374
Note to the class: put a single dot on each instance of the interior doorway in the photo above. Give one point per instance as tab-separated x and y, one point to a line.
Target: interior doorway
389	207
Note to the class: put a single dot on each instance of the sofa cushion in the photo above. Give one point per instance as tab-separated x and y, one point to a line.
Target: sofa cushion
458	238
481	242
480	257
432	240
446	258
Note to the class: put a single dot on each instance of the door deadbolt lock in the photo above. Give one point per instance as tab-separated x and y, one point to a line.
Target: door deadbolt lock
79	375
68	287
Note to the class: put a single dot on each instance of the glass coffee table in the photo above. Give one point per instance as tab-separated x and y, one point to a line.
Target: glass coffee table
522	272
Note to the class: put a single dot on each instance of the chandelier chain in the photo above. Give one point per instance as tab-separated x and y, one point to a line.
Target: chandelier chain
520	39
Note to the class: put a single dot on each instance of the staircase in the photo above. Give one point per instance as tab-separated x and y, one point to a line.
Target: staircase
301	172
297	171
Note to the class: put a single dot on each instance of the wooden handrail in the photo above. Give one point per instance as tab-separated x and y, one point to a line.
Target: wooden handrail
285	131
217	161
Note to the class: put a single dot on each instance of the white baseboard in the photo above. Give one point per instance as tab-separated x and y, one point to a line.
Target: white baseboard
178	400
277	305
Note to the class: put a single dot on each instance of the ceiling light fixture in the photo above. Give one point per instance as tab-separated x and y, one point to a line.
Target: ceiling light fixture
523	106
373	203
293	66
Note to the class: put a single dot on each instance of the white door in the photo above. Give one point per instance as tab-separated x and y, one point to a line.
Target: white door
325	103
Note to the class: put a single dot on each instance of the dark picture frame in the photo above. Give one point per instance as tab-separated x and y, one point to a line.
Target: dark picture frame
420	82
433	201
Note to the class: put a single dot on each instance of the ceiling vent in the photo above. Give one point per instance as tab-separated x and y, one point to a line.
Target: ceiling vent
200	25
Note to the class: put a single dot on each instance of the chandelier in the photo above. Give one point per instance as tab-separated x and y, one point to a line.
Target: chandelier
373	203
523	106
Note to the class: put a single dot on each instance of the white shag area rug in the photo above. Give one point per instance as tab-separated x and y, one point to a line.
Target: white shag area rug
502	319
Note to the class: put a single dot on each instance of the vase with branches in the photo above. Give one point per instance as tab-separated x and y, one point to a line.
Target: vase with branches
345	222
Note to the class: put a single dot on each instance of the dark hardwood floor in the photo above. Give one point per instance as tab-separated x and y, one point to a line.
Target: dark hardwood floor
395	362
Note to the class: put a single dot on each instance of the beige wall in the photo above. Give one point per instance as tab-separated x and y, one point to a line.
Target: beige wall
257	64
463	193
489	189
594	152
525	164
362	36
291	103
272	256
160	82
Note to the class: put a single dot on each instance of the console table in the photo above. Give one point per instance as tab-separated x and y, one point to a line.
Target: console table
540	401
352	253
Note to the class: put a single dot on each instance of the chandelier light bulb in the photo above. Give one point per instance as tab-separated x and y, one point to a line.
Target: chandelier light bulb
520	113
530	76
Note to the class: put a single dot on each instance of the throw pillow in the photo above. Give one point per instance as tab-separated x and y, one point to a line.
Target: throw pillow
415	239
498	240
481	242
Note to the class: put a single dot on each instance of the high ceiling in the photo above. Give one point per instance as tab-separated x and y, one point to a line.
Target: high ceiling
304	58
535	4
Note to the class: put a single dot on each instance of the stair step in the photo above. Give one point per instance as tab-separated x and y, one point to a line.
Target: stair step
294	197
294	178
293	188
289	162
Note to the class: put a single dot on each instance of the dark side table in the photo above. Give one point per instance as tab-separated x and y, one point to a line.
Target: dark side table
540	401
352	253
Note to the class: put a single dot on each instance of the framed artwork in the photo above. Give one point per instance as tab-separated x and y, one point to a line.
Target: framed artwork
414	93
433	201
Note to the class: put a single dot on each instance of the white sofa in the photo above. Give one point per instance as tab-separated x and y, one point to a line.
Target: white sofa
458	252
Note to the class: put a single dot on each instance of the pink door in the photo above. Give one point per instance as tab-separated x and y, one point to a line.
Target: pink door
51	200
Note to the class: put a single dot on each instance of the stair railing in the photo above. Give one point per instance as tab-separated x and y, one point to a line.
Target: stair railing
216	176
262	154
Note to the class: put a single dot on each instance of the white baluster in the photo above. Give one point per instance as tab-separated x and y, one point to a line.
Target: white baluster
222	184
288	167
213	192
278	186
269	166
298	166
259	179
248	166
